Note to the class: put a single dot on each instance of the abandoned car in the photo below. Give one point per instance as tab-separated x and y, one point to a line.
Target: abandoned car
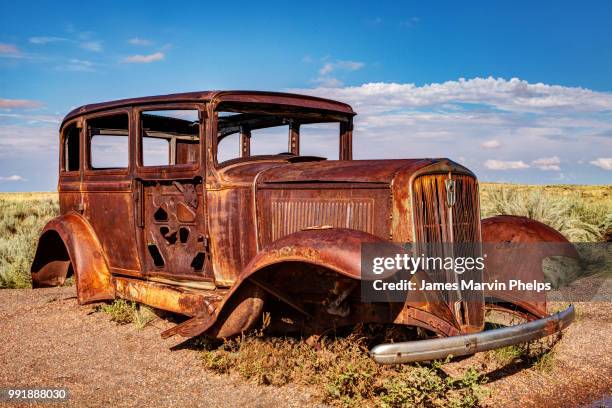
156	208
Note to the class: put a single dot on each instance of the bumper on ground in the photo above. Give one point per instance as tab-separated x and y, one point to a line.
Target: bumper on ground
434	349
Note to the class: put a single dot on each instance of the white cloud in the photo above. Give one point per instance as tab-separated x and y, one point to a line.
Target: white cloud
21	140
461	119
14	177
505	165
33	119
547	163
329	67
491	144
139	41
19	104
328	82
46	40
325	80
144	59
78	66
95	46
513	95
603	162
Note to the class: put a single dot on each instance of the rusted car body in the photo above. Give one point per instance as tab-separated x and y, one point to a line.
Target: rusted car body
224	242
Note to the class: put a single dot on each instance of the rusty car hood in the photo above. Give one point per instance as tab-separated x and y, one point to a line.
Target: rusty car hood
353	171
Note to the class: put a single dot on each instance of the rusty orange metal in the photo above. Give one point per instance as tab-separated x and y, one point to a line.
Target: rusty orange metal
222	242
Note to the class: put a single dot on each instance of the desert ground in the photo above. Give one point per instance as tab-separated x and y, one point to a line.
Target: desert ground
112	354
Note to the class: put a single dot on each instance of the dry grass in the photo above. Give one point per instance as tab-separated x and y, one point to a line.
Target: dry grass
581	213
341	372
538	354
124	312
22	216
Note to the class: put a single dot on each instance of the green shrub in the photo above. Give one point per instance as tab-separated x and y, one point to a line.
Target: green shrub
125	312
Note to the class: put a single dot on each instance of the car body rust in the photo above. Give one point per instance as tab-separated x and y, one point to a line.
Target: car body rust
224	241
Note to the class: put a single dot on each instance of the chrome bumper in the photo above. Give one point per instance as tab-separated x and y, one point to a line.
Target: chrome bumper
434	349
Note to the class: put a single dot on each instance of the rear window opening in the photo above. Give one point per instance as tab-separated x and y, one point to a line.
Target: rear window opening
108	142
72	147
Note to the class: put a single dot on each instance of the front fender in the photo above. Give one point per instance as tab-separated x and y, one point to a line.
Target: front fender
335	249
508	229
68	240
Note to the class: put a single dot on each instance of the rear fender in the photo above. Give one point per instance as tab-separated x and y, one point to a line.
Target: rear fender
68	243
521	230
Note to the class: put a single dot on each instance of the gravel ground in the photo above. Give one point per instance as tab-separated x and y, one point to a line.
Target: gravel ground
581	370
46	339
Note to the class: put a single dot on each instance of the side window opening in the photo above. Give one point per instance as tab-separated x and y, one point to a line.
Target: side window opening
108	142
272	140
169	137
72	147
228	148
320	139
155	151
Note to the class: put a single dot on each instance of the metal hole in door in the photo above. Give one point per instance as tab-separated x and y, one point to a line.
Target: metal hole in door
198	261
168	236
158	260
160	215
183	234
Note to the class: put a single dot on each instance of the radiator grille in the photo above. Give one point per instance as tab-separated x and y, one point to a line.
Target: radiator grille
441	230
432	221
292	215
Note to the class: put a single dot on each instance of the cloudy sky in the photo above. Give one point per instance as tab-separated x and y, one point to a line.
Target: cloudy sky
518	92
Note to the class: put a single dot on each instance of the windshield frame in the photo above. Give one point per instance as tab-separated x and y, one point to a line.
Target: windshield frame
254	116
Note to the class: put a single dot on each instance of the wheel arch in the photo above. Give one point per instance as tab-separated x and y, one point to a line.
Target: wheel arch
522	230
68	243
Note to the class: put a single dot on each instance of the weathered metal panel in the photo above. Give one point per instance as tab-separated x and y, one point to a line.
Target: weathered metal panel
292	208
231	227
167	297
292	215
174	230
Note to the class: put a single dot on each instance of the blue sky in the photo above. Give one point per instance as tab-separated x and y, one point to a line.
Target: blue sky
517	91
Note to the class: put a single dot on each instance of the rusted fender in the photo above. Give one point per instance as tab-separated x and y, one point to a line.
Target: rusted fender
507	229
334	248
338	249
69	241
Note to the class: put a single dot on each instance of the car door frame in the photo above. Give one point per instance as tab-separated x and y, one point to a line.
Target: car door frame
143	174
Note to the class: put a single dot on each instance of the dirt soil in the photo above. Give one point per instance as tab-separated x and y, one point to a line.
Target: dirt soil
47	340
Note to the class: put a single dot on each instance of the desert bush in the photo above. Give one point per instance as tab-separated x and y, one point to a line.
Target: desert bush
124	312
22	216
342	372
579	219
